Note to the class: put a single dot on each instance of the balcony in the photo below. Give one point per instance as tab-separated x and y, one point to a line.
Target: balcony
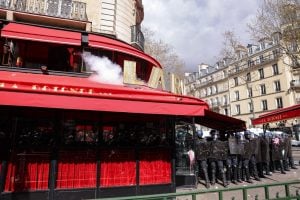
253	63
137	37
66	9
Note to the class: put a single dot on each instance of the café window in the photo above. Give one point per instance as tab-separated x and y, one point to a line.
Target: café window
184	140
30	54
35	133
79	132
5	134
147	133
34	141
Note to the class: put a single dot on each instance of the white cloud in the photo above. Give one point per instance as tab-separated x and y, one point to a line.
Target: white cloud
195	27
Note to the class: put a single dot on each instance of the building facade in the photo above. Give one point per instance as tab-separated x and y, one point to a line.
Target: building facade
258	81
119	19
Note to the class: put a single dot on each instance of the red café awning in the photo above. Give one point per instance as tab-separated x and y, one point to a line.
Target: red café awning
35	33
221	122
116	45
49	91
278	115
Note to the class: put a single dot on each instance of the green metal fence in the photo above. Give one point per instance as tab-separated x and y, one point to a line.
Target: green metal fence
291	190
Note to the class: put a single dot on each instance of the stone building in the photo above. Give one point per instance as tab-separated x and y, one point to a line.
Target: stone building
260	80
119	19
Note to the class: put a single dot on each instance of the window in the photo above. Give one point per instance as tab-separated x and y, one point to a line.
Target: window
224	74
261	58
250	92
237	95
275	53
262	45
237	109
225	102
277	86
262	89
275	69
237	68
225	111
250	51
250	106
248	76
264	105
249	63
279	102
236	81
261	73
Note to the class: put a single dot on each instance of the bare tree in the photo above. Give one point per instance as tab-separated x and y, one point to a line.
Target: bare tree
279	16
163	52
230	45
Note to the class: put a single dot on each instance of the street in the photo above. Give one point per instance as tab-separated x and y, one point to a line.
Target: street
293	174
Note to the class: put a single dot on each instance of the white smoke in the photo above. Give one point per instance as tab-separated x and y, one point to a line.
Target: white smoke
104	70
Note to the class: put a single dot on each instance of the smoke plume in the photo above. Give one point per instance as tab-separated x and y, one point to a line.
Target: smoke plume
104	70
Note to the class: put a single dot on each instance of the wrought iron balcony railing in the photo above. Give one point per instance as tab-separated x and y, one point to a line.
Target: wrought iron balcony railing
137	36
253	62
68	9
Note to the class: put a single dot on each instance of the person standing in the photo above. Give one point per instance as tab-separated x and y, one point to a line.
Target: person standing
202	154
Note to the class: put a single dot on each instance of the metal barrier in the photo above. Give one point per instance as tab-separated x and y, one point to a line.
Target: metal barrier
244	189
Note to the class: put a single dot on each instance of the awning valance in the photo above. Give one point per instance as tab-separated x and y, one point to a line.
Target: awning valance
35	33
220	122
116	45
48	91
278	115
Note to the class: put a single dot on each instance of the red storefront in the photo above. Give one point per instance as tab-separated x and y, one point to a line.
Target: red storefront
278	115
63	136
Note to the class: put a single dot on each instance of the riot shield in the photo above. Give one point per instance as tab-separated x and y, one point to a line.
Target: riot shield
265	149
247	150
235	147
219	150
254	145
202	150
276	149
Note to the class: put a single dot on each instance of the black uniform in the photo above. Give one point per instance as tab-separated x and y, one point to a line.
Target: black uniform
251	150
265	156
235	150
202	154
277	148
218	153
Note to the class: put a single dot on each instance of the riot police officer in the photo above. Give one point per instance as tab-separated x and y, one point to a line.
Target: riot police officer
244	159
232	160
277	147
218	153
265	154
202	154
254	144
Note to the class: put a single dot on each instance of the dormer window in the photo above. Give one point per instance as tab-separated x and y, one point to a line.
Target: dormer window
262	45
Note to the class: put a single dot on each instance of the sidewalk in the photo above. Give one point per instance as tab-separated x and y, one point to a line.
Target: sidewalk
276	177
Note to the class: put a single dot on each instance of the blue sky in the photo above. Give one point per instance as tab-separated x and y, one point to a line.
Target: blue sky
194	27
